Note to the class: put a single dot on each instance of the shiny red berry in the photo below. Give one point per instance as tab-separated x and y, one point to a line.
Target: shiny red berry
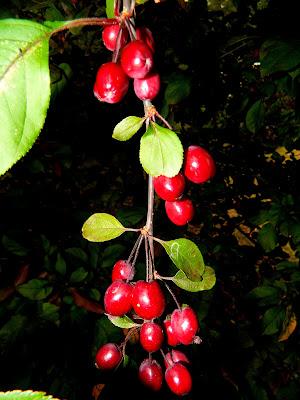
175	356
171	337
151	336
122	270
147	88
180	212
199	165
150	374
148	300
144	34
111	83
108	356
185	324
178	379
117	298
136	59
169	189
110	35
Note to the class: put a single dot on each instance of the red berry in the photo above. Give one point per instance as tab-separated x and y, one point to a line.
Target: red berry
122	270
151	336
144	34
169	188
148	300
110	35
147	88
185	324
136	59
175	356
178	379
108	356
180	212
117	298
111	83
171	337
150	374
199	165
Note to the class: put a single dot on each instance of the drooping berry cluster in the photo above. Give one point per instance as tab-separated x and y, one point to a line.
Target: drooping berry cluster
135	61
198	167
145	303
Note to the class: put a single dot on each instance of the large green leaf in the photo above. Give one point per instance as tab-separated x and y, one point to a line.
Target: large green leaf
122	322
273	320
24	87
208	281
26	395
35	289
161	152
101	227
126	128
279	55
186	255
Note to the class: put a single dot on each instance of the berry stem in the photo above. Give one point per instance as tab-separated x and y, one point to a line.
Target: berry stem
86	22
172	294
163	120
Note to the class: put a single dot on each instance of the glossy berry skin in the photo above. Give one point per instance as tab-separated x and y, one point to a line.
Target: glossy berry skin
180	212
185	324
150	374
175	356
122	270
147	88
117	298
144	34
136	59
148	300
169	189
199	165
171	337
110	35
151	336
111	83
178	379
108	356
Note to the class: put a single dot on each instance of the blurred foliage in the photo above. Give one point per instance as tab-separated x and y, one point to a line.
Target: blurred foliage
230	72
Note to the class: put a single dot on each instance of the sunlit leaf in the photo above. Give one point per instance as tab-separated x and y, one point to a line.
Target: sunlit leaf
125	129
26	395
208	281
122	322
101	227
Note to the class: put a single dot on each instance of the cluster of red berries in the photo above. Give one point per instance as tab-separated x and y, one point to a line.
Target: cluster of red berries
146	303
199	167
136	61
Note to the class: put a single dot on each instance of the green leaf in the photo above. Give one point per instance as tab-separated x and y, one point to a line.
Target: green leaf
59	79
35	289
110	9
122	322
207	282
24	87
161	152
265	295
101	227
255	116
267	237
78	253
186	256
178	88
79	275
125	129
49	312
26	395
60	265
273	320
111	254
14	247
131	216
279	55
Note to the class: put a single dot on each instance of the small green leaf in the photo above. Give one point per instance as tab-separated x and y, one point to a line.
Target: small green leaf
267	237
26	395
50	312
125	129
111	254
14	247
122	322
110	8
131	216
78	253
178	88
161	152
35	289
101	227
79	275
186	256
255	116
208	281
60	265
273	320
263	291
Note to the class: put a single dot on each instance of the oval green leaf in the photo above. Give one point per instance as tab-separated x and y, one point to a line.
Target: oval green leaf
208	281
186	255
255	116
26	395
35	289
101	227
279	55
122	322
125	129
161	152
